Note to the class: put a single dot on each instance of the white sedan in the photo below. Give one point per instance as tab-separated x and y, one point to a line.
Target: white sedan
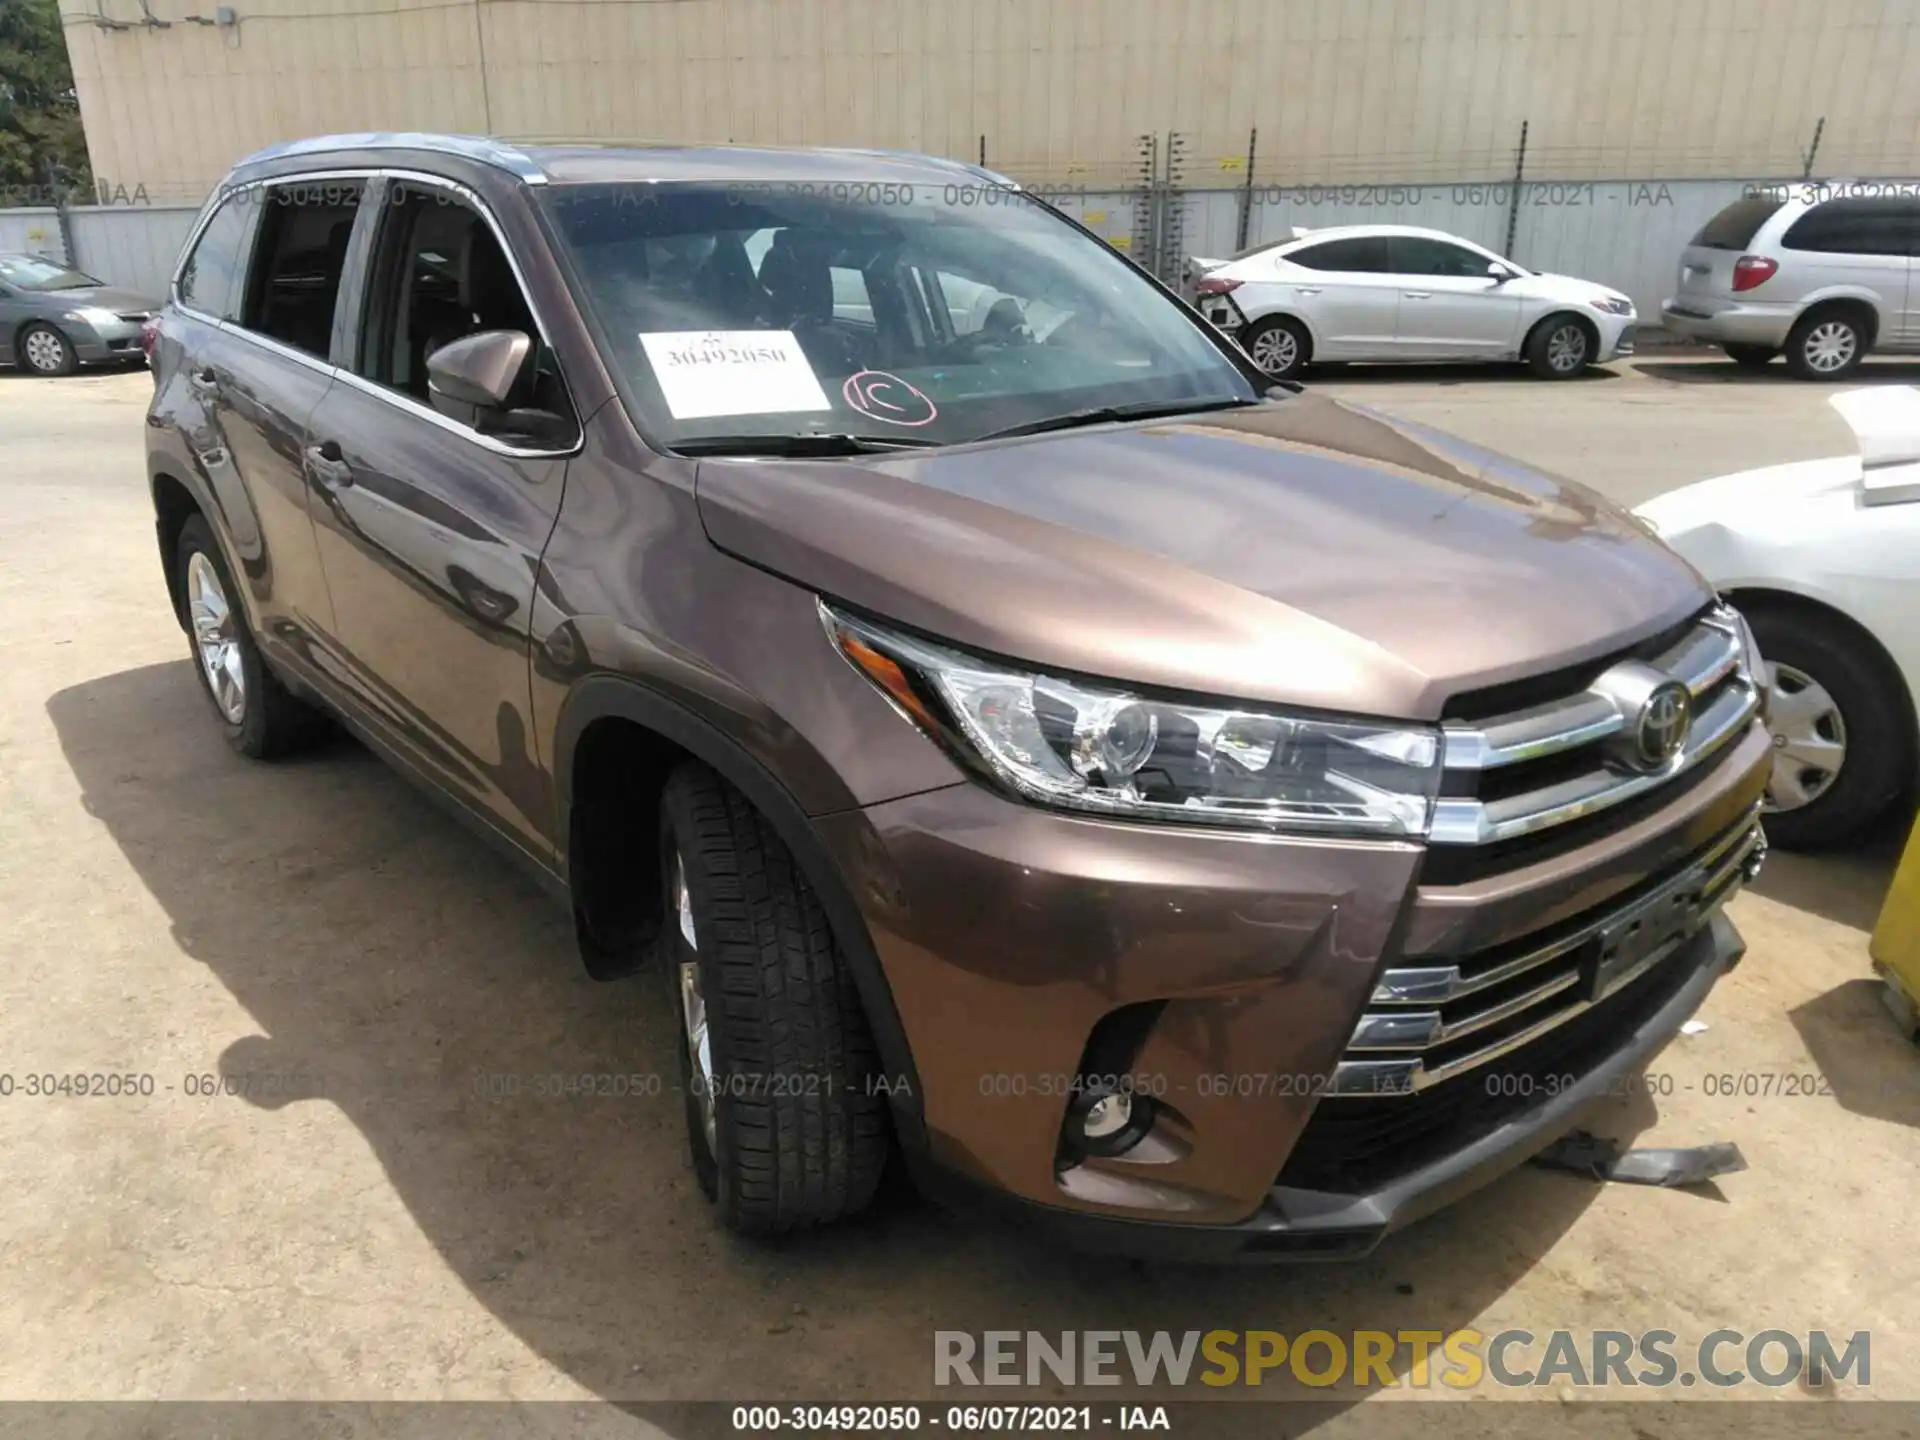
1823	558
1399	293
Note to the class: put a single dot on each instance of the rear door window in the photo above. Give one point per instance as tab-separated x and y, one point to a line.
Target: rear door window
1418	255
1363	253
1734	227
1878	226
298	262
207	279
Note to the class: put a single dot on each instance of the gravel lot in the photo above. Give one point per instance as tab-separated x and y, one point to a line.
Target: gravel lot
377	1230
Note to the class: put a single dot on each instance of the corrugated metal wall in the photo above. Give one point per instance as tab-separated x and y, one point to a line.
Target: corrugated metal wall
135	246
1340	90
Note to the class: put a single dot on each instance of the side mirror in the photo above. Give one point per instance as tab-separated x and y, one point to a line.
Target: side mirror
1500	273
477	373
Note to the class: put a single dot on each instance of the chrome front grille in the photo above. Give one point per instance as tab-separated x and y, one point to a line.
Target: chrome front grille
1573	756
1430	1022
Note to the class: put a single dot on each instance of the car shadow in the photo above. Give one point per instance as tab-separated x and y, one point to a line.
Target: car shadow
1463	373
417	983
1859	1051
1711	371
1847	886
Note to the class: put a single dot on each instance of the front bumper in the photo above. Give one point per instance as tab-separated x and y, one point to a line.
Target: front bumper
97	344
1030	952
1296	1224
1617	343
1736	324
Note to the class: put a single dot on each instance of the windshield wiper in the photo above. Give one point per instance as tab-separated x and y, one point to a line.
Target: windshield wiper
799	446
1101	414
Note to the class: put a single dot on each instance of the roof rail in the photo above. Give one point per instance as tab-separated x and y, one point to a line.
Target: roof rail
482	148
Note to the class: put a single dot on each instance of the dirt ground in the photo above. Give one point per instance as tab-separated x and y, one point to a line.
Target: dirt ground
379	1230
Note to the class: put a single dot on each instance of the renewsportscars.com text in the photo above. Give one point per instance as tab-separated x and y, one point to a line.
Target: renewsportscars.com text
1458	1359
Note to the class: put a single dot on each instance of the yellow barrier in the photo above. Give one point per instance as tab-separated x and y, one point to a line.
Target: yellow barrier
1896	939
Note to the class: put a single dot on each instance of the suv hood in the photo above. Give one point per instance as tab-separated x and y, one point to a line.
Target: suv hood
1305	551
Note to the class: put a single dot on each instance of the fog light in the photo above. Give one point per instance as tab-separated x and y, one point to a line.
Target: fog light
1107	1116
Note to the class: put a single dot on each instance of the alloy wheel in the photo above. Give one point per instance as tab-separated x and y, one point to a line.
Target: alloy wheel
693	1008
215	638
1809	739
1275	350
1830	346
1567	349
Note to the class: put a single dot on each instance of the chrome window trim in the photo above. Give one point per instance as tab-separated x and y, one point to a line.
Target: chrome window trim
405	403
482	148
224	192
426	412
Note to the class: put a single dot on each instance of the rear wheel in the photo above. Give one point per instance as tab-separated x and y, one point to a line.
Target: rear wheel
1827	344
1753	356
1841	740
776	1057
45	351
1279	345
258	715
1560	347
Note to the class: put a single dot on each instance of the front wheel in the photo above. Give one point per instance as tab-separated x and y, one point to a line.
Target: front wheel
1841	743
1279	345
1559	348
777	1063
45	351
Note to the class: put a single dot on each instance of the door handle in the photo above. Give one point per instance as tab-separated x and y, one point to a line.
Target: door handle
329	463
1416	294
1308	289
205	379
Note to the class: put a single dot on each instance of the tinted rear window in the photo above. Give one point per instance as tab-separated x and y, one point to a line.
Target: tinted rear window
1366	253
1858	227
1734	227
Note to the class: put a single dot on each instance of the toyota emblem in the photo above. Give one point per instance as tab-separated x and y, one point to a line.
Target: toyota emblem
1664	720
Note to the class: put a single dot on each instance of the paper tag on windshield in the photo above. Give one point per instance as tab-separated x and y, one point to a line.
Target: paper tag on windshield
732	372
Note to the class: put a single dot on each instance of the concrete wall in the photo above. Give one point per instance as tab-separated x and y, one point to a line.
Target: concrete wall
1340	90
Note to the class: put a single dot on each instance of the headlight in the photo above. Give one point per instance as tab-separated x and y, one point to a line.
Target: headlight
1612	306
1752	665
1085	745
92	315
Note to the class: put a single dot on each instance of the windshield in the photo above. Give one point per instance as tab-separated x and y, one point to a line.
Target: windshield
909	314
30	272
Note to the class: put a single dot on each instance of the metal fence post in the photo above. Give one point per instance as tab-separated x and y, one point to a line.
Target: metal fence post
1806	169
1513	210
71	255
1145	201
1246	195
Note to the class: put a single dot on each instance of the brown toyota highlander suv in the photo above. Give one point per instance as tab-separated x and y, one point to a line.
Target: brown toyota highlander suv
1215	820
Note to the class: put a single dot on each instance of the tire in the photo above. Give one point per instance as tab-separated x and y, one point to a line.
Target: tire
1283	341
258	716
1814	657
1751	356
1827	344
1560	347
796	1135
43	350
